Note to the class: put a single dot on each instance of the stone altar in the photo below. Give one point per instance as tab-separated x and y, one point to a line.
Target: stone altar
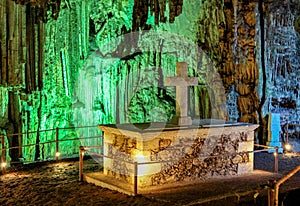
173	153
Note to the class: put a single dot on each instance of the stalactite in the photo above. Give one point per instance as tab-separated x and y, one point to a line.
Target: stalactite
282	59
30	72
42	7
3	42
246	72
215	39
157	8
11	44
14	126
40	54
64	71
38	138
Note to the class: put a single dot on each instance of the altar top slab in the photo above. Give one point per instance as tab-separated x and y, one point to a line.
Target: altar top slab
148	129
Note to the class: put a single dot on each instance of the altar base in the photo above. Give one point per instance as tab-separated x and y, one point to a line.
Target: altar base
148	155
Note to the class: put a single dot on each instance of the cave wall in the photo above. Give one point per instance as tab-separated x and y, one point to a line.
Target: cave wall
85	62
31	100
21	67
282	60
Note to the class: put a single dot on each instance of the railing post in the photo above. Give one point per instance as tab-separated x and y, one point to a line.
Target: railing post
271	195
135	178
81	153
276	160
3	153
276	195
56	143
287	133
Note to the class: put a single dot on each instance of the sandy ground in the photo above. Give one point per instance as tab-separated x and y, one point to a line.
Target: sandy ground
57	184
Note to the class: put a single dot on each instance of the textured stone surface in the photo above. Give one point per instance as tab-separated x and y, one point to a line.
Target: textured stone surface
177	154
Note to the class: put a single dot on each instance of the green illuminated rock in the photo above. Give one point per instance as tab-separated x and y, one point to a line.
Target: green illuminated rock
86	62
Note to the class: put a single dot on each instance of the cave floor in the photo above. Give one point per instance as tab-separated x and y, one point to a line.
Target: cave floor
56	183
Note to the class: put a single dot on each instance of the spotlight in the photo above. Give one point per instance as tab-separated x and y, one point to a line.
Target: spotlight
57	154
275	154
3	164
288	147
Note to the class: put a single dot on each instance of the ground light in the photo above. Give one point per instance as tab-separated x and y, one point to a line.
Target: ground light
3	164
288	147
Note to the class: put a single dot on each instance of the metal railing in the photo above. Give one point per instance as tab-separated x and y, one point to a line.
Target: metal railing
273	193
267	148
55	140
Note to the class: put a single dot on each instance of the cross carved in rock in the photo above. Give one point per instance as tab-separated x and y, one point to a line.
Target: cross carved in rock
182	83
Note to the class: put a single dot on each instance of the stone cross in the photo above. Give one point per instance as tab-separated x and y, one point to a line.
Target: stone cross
181	82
